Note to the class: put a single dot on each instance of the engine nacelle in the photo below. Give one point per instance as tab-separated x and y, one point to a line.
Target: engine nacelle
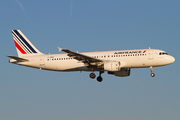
124	72
112	66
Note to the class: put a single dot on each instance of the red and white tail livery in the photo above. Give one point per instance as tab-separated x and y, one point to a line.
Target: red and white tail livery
117	62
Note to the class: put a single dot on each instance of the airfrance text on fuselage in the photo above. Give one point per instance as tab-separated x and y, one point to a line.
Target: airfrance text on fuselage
130	52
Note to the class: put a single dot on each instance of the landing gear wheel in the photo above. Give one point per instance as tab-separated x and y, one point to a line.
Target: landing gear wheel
92	75
99	79
152	74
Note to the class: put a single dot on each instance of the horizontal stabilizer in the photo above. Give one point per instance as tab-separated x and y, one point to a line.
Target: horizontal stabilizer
18	58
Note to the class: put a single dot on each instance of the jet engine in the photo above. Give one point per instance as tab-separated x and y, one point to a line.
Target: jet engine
124	72
112	66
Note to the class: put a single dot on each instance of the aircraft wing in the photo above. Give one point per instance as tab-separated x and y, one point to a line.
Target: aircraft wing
81	57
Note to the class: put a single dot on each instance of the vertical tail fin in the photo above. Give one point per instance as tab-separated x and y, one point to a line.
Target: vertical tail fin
23	46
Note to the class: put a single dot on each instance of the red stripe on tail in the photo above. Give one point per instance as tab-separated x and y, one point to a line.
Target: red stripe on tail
19	48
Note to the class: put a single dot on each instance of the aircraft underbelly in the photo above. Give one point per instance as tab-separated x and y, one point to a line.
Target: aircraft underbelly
65	65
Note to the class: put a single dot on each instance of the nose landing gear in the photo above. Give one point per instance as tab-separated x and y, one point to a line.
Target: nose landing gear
152	74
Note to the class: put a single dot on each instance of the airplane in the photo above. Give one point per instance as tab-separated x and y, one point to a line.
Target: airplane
118	62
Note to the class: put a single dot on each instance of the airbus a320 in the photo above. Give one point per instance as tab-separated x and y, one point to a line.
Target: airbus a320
118	62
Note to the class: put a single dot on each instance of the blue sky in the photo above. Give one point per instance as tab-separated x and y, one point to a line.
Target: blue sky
79	25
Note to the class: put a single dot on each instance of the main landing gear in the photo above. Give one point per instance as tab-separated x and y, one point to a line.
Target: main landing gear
152	74
92	75
99	78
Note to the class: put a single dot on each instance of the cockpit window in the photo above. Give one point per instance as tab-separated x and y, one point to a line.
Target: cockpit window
163	53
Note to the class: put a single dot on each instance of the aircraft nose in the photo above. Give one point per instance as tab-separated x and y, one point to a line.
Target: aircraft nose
171	59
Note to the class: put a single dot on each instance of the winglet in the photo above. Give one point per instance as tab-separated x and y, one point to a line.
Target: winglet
59	49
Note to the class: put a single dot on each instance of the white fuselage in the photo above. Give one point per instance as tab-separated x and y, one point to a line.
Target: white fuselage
138	58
